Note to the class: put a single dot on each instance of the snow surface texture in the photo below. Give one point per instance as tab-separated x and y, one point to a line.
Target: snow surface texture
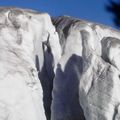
71	74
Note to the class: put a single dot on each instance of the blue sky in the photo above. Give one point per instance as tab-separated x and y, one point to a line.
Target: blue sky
92	10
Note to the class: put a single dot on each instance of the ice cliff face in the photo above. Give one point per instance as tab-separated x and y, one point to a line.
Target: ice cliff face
87	80
22	34
57	69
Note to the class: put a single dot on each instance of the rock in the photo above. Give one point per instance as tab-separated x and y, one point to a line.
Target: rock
22	34
87	80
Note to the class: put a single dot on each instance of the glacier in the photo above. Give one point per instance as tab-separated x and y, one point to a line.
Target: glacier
57	68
